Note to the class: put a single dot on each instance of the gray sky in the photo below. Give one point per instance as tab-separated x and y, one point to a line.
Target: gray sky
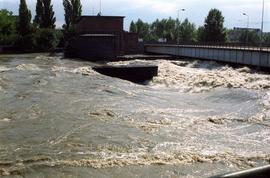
149	10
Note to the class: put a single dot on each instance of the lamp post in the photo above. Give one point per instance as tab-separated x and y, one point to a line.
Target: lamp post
262	25
178	27
245	14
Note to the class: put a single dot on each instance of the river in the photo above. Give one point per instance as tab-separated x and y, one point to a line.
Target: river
59	118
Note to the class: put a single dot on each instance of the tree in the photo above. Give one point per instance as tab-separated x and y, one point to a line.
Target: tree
187	31
45	14
132	27
170	29
165	29
73	12
46	39
39	12
213	27
48	16
8	33
266	38
249	37
200	34
143	30
25	16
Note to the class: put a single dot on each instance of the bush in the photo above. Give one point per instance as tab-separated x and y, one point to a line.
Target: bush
47	39
8	33
26	43
8	39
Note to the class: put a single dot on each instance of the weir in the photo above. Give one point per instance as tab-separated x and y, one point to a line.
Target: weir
253	56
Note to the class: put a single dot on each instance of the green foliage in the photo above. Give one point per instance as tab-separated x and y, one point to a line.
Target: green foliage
214	30
39	13
249	37
132	27
168	29
266	38
26	42
48	18
73	12
24	26
142	29
200	34
47	39
25	29
187	31
8	35
44	14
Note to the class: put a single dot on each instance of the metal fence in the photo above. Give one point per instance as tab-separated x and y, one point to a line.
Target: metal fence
240	46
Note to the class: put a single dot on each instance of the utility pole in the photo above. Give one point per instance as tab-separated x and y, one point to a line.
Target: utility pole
245	14
262	25
100	7
178	28
261	38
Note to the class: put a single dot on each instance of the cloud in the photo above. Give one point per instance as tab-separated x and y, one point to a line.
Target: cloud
149	10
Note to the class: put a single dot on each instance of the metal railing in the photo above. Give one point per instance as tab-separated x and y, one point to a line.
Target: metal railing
240	46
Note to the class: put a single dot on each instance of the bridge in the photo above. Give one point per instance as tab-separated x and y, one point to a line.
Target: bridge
252	55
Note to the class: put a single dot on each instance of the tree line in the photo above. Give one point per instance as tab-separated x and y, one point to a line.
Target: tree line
173	31
39	33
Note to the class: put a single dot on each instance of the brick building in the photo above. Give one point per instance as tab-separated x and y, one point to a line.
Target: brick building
103	37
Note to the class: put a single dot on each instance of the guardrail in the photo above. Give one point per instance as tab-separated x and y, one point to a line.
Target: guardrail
243	55
242	46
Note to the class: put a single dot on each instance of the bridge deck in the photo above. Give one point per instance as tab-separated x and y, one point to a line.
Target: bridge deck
246	55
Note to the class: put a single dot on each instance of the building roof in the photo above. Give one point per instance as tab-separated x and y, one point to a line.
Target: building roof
97	35
95	16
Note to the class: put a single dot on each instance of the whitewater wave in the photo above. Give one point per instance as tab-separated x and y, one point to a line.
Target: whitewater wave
28	67
204	76
4	69
85	70
111	160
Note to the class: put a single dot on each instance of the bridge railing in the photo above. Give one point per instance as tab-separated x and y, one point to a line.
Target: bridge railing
246	46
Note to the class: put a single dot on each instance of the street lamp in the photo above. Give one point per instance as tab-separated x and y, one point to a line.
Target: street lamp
245	14
261	40
178	27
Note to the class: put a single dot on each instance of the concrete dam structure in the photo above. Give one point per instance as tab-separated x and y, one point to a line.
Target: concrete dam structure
253	56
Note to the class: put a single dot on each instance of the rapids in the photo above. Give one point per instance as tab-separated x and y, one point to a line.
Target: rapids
59	118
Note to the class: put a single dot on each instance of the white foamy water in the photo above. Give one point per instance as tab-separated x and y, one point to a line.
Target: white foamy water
85	70
66	120
4	69
28	67
206	77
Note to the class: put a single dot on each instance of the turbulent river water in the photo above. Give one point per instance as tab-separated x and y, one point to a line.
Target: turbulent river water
59	118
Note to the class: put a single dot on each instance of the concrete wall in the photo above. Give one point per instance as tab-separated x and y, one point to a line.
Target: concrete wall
238	56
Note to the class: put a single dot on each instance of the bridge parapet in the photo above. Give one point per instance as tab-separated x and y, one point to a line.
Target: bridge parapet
245	55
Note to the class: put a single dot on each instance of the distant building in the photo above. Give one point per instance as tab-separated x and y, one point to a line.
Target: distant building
103	37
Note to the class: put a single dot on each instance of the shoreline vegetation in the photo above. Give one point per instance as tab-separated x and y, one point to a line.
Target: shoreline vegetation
24	34
27	34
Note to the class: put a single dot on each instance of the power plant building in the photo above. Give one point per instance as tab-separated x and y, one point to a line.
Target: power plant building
102	37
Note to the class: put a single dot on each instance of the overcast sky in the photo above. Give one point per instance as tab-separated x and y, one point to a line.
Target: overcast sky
149	10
